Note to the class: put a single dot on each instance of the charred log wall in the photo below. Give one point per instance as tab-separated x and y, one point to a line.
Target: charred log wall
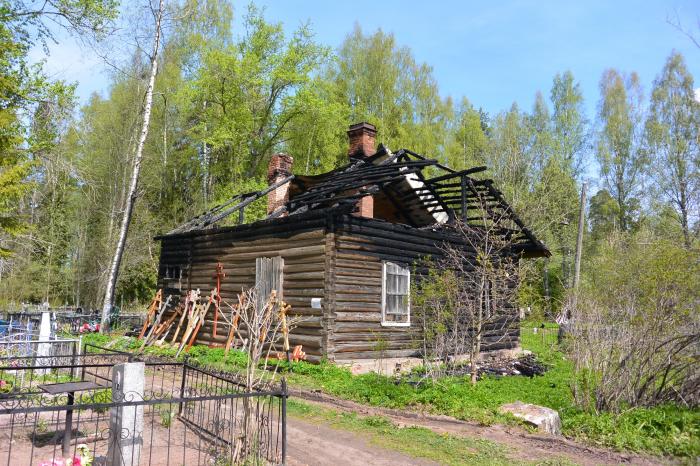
335	258
355	330
302	244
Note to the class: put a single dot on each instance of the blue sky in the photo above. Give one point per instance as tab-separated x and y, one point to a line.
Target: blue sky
494	53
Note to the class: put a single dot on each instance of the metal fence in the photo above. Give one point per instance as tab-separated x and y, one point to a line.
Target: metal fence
186	415
22	377
547	336
24	344
74	321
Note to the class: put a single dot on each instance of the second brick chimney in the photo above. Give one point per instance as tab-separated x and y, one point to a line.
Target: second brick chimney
279	168
362	137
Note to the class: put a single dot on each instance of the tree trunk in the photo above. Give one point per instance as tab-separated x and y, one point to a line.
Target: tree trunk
685	225
131	199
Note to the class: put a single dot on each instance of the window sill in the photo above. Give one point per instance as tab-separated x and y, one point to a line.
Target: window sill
396	324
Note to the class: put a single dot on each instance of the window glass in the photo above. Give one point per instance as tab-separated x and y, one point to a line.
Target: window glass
396	289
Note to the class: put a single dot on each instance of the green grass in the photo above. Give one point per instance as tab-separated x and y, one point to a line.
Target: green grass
661	430
210	357
417	442
454	396
666	430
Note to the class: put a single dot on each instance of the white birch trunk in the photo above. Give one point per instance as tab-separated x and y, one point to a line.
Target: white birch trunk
133	185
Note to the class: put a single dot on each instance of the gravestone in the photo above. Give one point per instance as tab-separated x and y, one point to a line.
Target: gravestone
44	349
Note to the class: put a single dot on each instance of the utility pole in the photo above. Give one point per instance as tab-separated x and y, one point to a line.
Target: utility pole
579	243
547	293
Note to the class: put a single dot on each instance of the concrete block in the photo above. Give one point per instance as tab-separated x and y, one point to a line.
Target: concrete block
545	419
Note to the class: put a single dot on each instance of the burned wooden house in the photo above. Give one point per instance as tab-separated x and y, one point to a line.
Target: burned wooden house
341	246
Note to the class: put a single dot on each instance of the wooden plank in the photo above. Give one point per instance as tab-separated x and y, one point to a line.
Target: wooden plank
314	250
359	317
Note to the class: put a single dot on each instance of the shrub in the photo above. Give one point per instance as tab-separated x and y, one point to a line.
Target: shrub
636	329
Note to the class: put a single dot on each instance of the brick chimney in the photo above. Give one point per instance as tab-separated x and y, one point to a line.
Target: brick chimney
279	168
362	137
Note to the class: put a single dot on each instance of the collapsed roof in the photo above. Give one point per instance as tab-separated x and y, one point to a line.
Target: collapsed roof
403	191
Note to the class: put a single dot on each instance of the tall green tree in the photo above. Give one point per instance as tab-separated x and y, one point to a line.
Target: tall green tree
24	87
603	215
317	137
510	160
618	149
14	165
247	95
382	83
469	142
570	126
673	141
557	186
540	134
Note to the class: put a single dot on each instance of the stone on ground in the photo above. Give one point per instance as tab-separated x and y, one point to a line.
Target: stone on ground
545	419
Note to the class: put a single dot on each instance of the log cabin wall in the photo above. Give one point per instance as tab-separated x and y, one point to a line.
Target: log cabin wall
356	331
300	241
337	258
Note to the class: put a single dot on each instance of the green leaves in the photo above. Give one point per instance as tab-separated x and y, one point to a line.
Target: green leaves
618	146
25	90
380	82
673	142
247	94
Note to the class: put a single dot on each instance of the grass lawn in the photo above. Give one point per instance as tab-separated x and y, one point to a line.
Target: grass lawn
662	430
417	442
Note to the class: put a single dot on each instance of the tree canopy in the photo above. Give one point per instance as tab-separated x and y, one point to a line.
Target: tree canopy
233	89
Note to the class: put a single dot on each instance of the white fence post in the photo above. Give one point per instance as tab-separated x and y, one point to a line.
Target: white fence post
126	422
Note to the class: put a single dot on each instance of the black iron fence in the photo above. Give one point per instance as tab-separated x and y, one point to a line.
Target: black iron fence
70	410
24	376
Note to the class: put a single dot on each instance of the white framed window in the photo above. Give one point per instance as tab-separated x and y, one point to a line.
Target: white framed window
396	295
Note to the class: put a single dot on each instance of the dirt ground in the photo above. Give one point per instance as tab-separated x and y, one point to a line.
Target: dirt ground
344	448
314	444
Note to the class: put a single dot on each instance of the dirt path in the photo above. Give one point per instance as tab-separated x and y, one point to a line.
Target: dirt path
317	444
523	445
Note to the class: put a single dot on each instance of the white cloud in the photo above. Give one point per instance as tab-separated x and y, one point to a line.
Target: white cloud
697	94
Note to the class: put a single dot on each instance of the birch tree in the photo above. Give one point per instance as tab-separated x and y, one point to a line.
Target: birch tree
673	140
622	162
136	169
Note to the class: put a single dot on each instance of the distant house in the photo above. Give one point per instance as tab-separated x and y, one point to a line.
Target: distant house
339	247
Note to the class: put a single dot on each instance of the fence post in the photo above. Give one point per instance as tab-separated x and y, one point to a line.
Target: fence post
74	360
284	421
182	385
126	422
